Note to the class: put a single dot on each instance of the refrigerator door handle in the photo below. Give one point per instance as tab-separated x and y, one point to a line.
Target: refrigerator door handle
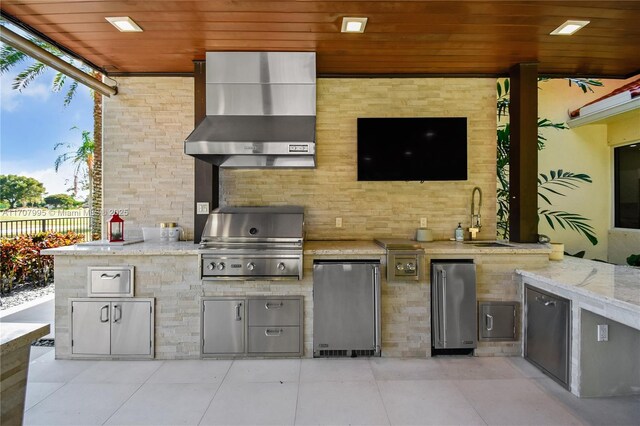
444	307
376	308
437	303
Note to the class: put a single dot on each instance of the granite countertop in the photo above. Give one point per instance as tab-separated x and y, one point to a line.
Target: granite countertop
14	335
137	249
328	247
615	284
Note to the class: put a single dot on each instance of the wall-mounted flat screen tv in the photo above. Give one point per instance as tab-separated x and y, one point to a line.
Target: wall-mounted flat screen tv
412	149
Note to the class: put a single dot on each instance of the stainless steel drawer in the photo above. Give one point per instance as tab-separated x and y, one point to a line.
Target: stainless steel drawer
267	311
107	281
274	340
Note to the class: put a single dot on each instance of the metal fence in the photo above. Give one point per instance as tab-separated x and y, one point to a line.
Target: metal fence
77	224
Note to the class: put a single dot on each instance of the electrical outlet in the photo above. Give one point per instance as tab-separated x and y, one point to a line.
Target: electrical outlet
338	222
423	222
202	208
603	333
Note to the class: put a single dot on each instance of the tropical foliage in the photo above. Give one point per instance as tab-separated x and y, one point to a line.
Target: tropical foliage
550	184
21	190
82	159
11	58
21	262
64	201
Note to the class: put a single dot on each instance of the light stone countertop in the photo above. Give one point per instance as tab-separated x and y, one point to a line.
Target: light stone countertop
17	334
606	285
136	249
329	247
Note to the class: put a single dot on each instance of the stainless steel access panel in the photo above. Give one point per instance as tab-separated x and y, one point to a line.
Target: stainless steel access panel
346	307
223	326
110	281
497	320
453	304
112	327
547	342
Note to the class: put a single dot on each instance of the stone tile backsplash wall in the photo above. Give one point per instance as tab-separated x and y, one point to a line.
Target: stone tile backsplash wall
389	209
145	169
146	172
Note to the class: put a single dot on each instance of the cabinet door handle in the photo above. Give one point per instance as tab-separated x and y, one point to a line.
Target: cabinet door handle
273	333
273	305
238	317
117	309
104	309
109	277
489	322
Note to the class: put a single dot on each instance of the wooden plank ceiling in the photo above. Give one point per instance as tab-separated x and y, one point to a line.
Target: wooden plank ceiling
402	37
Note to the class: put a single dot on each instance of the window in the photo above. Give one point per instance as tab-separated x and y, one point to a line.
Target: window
627	186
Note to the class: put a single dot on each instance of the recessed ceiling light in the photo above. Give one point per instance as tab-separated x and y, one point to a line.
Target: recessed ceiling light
124	24
353	25
569	27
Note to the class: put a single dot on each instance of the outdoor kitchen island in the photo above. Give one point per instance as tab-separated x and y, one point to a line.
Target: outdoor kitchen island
169	272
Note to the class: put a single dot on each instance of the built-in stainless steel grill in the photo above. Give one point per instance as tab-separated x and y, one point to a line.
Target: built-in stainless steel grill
253	243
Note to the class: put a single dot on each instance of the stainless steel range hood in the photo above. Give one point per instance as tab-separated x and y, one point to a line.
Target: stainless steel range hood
261	110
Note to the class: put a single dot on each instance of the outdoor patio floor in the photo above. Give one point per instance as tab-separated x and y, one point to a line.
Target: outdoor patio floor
452	390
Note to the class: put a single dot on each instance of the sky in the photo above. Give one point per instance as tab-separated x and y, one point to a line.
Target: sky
33	121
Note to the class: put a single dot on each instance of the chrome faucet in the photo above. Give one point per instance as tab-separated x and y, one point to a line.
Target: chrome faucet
475	217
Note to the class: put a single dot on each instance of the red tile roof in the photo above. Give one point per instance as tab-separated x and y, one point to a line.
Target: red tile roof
633	87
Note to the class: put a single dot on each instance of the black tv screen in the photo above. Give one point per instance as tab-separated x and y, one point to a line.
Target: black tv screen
412	149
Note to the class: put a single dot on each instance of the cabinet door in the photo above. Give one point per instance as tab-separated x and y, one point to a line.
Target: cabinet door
90	328
223	326
130	328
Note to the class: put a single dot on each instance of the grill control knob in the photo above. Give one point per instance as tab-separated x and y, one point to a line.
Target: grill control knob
251	266
211	266
220	266
281	266
399	266
411	267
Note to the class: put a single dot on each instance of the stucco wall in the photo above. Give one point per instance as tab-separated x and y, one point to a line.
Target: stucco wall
579	150
146	172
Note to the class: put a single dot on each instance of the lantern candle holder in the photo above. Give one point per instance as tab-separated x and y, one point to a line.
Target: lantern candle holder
116	228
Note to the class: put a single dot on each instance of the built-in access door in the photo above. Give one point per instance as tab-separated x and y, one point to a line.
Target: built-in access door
130	328
223	326
91	328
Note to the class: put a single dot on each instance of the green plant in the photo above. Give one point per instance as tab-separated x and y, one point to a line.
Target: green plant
634	260
82	157
20	190
550	184
11	58
21	261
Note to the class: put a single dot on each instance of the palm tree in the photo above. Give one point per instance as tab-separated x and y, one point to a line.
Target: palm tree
11	57
83	158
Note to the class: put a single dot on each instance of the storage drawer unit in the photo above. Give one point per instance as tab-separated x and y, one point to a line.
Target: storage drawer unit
274	312
252	326
497	321
110	281
271	340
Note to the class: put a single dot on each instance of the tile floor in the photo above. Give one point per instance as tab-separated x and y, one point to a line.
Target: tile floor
439	391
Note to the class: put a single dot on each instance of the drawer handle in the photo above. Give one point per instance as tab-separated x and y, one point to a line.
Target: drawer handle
109	277
273	333
273	305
